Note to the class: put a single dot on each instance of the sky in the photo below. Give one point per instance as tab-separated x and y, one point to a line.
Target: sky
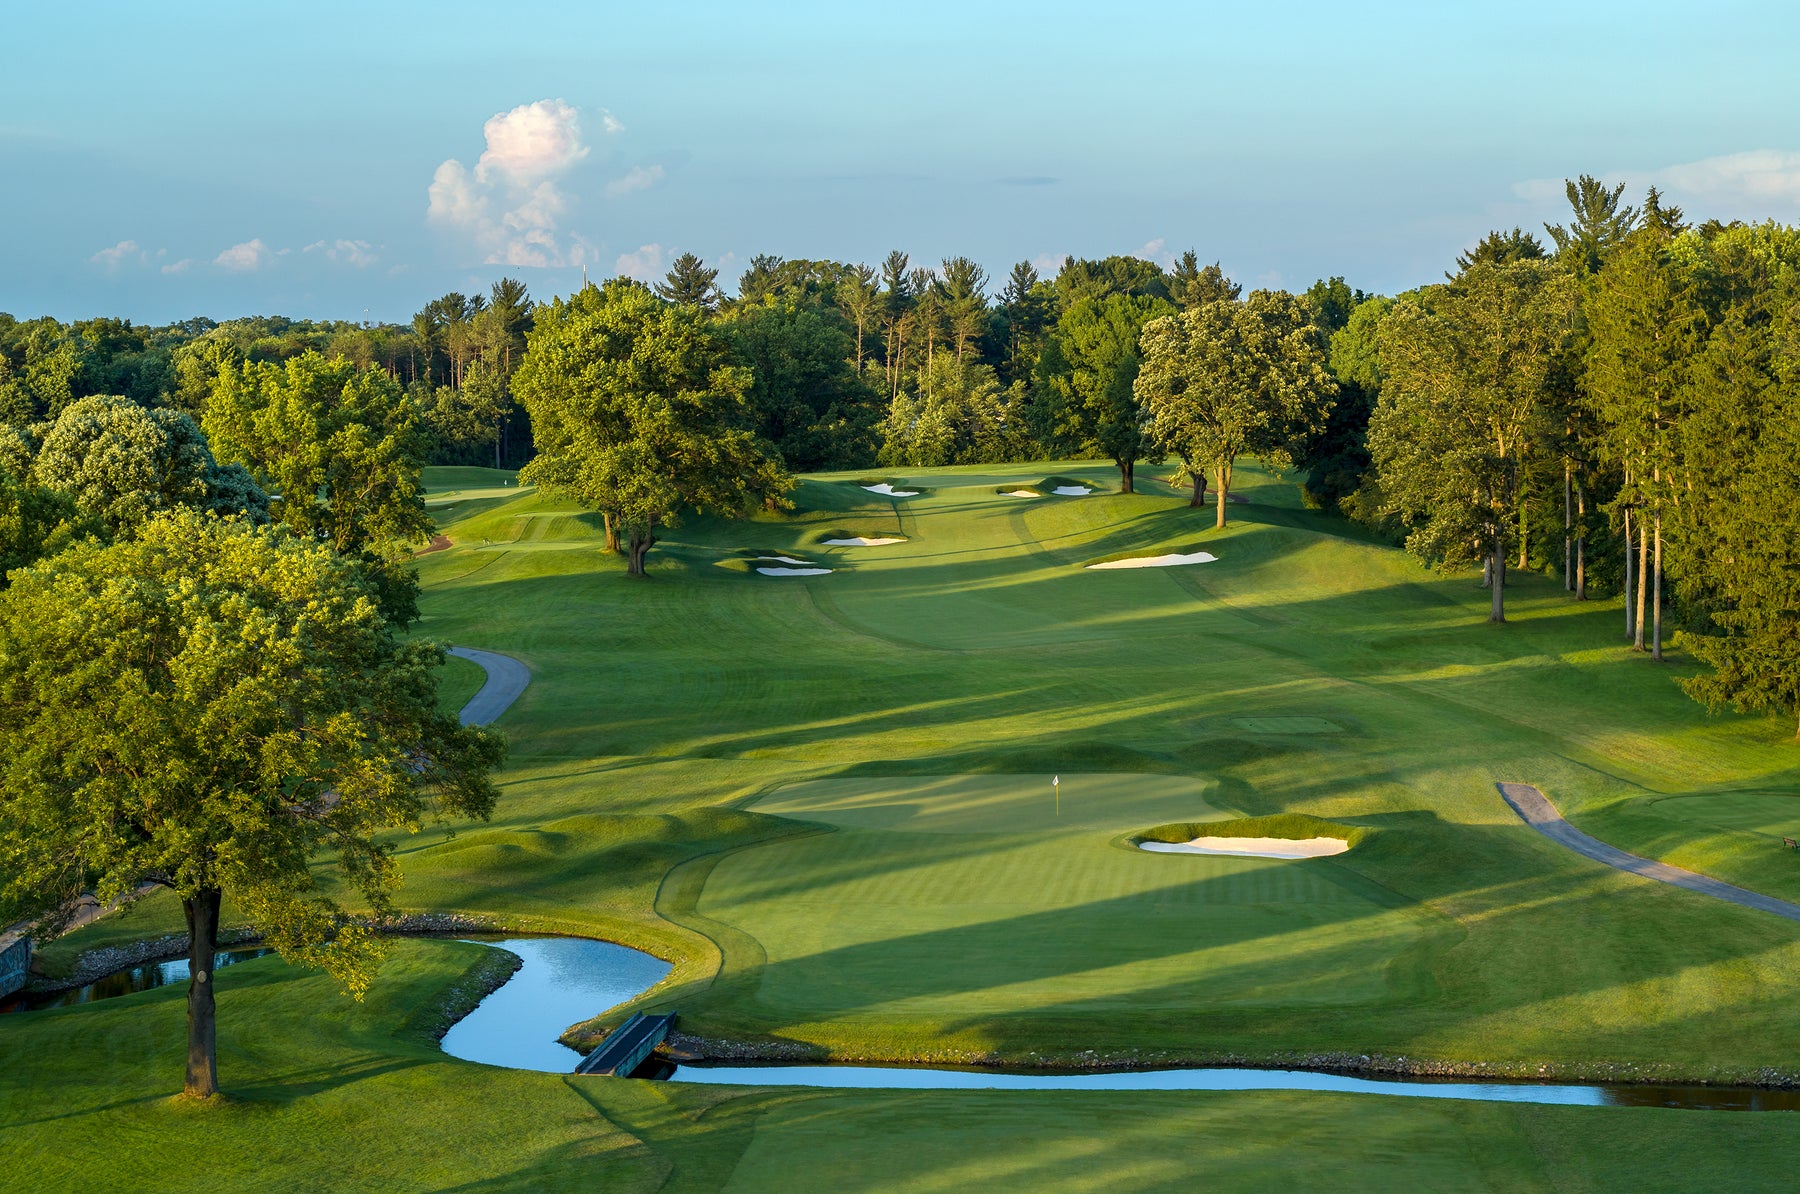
353	161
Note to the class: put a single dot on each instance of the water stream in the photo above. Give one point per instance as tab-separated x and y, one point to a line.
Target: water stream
125	982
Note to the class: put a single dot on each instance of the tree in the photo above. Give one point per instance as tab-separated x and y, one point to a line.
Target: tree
804	397
121	463
1086	375
1499	248
1337	460
1191	284
1465	369
690	284
1599	224
641	414
205	707
342	447
1740	566
1644	323
1025	305
35	522
1225	378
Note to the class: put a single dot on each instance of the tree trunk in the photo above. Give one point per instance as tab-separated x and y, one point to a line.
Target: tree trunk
1630	619
612	531
1581	545
203	1046
1224	492
1126	468
1524	534
1487	572
1498	609
1656	602
1568	529
641	543
1199	478
1643	576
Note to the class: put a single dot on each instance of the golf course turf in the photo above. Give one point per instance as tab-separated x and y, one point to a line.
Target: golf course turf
828	802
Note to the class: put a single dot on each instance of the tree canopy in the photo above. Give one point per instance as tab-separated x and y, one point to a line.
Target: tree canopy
203	707
641	414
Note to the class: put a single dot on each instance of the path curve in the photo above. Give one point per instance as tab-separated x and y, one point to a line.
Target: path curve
506	679
1536	810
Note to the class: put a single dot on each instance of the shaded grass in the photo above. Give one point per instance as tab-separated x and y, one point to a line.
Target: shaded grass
670	717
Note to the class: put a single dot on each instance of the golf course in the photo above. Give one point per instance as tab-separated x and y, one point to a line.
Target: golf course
882	800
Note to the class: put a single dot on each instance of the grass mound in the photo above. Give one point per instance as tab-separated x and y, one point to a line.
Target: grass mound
1292	826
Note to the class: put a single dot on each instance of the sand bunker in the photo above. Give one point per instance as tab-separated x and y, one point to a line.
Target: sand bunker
886	490
861	541
1253	847
1072	490
786	560
795	571
1021	493
1168	561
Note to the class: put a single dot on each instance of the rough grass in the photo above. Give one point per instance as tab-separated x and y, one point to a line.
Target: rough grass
671	716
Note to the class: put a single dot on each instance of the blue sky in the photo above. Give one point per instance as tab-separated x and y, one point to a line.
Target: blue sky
161	161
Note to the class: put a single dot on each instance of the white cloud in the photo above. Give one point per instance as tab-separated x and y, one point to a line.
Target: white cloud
530	143
646	264
527	150
114	257
610	124
1151	250
1749	184
638	178
241	258
1757	175
179	267
357	253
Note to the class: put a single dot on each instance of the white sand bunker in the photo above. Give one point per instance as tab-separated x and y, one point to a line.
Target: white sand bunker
886	490
1253	847
795	571
861	541
786	560
1021	493
1168	561
1072	490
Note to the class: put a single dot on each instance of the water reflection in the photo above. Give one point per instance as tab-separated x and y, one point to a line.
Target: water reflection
126	982
1711	1098
564	981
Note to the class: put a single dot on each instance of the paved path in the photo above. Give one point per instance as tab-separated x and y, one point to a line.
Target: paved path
1537	811
506	679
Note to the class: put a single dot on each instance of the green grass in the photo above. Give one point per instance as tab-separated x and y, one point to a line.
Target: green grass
827	802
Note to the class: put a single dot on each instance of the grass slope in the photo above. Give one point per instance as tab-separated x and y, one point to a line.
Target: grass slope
824	800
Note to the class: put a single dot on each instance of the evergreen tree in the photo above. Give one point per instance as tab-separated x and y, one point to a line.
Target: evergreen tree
690	284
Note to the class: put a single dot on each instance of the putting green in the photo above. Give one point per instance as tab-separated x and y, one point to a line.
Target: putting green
996	803
967	896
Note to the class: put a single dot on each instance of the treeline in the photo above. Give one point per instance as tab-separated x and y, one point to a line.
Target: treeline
1618	407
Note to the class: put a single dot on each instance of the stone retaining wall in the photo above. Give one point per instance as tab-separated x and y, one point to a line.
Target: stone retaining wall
15	965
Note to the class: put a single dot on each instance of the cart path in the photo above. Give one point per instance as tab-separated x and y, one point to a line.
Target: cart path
1535	809
506	679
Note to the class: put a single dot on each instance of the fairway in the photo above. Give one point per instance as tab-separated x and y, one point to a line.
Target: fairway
827	801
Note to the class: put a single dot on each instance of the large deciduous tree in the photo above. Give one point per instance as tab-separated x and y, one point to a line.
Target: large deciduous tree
1227	378
204	707
640	413
1466	372
121	463
1086	375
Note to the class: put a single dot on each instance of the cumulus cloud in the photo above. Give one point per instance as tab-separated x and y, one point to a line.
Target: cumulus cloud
117	255
357	253
638	178
1152	250
610	123
179	267
509	204
645	264
244	257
